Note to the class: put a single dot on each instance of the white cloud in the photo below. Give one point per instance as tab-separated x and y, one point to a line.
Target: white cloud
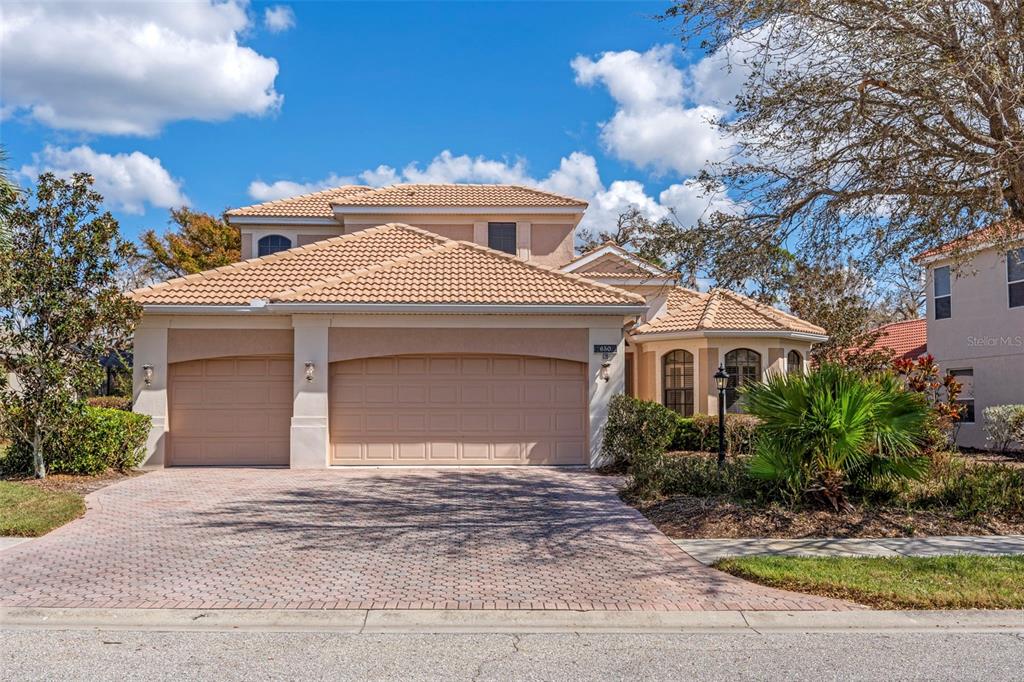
577	175
262	191
127	181
131	68
656	124
278	18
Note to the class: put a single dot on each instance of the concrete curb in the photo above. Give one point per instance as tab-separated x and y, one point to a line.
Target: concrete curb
383	622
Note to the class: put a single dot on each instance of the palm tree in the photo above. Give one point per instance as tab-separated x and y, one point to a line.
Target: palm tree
8	196
835	427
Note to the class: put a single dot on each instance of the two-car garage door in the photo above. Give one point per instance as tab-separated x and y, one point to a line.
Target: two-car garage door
400	410
457	410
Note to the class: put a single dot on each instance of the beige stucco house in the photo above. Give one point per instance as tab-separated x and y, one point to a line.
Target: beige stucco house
430	325
975	313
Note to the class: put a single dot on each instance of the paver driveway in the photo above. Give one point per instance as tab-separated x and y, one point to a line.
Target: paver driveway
407	539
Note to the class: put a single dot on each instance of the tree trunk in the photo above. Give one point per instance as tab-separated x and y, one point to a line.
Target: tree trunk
37	456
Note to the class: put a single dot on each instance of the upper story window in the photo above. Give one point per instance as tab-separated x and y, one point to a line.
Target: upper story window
273	243
1015	276
794	363
941	293
502	237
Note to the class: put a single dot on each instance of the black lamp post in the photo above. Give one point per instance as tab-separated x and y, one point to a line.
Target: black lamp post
721	380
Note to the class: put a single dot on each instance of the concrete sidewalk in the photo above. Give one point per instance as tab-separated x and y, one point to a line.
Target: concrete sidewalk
429	621
710	551
7	541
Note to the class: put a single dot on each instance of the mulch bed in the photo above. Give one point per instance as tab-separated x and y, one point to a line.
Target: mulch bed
701	517
76	483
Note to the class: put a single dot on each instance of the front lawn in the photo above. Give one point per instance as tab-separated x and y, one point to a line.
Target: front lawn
30	510
953	582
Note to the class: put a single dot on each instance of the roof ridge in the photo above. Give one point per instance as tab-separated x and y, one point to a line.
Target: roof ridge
705	313
442	244
257	261
305	195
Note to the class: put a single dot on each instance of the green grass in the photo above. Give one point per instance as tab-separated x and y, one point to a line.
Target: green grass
952	582
29	511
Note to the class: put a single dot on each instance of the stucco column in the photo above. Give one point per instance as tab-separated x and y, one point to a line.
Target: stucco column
310	435
480	234
776	361
523	236
601	390
150	348
707	391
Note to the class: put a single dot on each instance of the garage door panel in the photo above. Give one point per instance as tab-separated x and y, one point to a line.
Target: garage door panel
230	411
472	409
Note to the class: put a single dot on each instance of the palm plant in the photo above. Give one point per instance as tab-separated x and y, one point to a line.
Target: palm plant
834	427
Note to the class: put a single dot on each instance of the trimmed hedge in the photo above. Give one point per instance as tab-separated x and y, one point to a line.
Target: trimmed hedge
700	433
113	402
97	440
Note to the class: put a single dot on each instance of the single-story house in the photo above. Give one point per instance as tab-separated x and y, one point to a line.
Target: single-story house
430	325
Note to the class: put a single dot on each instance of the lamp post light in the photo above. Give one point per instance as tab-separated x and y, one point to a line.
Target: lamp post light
721	381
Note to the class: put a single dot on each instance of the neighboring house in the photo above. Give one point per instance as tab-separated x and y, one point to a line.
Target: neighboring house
907	340
976	320
427	325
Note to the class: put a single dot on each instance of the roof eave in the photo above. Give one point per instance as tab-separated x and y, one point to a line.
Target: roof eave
344	209
395	308
775	333
280	220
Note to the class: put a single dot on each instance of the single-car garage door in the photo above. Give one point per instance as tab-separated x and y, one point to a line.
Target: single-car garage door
230	411
458	410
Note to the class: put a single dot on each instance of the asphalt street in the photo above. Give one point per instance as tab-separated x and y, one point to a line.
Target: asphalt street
136	655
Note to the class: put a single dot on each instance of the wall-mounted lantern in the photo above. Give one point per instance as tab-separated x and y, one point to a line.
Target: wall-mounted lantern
310	370
604	375
147	375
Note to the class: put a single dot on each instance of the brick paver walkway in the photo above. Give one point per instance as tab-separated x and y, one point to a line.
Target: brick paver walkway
397	539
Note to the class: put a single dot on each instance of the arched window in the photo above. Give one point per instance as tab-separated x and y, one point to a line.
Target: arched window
677	381
273	243
794	363
742	365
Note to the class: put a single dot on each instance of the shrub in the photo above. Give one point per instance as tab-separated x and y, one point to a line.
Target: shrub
113	402
700	432
1004	424
970	489
95	440
834	428
698	475
637	434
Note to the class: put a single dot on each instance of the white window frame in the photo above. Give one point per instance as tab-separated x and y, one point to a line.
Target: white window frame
1011	282
936	296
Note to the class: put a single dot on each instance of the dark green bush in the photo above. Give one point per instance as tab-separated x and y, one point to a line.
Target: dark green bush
700	433
636	435
113	402
96	440
697	475
971	489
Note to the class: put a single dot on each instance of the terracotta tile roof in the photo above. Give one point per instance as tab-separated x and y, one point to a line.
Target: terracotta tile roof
721	310
1003	231
391	263
907	339
459	195
624	255
313	205
319	204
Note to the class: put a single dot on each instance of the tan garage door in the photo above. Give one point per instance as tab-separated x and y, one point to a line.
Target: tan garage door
459	410
230	411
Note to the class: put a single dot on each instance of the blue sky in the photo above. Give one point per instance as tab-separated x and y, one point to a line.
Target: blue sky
214	104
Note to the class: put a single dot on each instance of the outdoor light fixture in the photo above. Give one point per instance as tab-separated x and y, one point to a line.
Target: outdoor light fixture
604	370
721	381
309	371
147	374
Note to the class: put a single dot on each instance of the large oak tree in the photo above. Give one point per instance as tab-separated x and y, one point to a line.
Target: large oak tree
865	129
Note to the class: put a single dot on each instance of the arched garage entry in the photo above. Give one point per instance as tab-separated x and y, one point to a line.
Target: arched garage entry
230	411
458	409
